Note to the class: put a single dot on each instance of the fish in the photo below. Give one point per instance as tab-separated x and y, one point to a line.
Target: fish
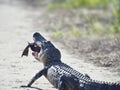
33	46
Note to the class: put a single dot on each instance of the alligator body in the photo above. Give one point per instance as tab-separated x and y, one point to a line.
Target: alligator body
62	76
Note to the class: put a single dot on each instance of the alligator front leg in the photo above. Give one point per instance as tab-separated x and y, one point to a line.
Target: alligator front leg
68	83
38	75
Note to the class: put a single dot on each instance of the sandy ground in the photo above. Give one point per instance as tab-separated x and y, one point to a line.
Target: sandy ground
16	28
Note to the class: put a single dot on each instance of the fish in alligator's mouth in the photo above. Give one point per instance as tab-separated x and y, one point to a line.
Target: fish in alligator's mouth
34	47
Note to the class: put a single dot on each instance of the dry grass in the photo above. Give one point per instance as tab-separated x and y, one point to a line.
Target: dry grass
100	52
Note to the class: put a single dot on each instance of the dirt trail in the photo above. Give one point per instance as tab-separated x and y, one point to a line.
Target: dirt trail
16	28
15	31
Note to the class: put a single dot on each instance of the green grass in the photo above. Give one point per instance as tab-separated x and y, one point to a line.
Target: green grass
74	31
116	13
57	33
77	3
96	27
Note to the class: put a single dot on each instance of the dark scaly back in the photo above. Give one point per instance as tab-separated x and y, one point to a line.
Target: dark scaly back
87	82
65	69
72	71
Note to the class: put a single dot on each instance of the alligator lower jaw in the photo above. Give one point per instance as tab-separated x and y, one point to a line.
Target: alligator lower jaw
35	54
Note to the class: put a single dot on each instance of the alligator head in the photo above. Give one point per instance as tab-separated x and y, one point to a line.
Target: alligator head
43	50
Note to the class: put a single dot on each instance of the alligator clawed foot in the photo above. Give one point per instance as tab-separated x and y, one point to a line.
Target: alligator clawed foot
25	86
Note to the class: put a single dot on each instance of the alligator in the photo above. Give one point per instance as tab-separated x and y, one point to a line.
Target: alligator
59	74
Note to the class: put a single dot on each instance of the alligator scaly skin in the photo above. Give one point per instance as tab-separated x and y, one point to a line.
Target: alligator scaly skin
62	76
58	69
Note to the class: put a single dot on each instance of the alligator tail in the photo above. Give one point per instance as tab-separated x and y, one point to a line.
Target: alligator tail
99	85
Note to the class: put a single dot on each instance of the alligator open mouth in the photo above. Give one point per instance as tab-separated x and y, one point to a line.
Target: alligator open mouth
36	50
